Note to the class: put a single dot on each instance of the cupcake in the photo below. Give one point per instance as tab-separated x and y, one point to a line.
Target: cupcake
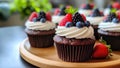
74	39
95	18
109	30
58	15
40	30
86	9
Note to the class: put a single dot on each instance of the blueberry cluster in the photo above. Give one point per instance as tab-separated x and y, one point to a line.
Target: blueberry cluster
96	13
78	21
62	12
41	17
112	18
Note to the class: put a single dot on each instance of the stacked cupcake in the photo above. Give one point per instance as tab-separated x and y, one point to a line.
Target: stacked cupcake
74	39
40	30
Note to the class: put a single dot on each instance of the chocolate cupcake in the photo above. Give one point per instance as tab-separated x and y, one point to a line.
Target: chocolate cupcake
74	39
110	31
40	30
95	18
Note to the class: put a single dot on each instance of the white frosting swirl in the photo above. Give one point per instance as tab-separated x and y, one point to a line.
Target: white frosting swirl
107	11
57	19
95	20
40	26
85	12
109	26
75	32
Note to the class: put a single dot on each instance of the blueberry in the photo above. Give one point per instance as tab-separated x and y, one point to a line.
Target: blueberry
87	23
115	20
43	20
34	19
79	24
69	24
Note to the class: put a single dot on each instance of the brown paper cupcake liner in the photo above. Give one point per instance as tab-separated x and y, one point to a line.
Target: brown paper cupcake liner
72	53
41	41
114	41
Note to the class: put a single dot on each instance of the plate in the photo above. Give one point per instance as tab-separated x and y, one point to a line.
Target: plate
47	57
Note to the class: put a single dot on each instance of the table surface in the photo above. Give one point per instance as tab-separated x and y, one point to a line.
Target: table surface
10	38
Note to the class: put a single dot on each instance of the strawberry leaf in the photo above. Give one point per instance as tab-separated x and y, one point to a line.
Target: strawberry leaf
71	10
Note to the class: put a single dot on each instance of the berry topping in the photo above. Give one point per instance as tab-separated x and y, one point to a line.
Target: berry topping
43	20
87	23
67	18
33	15
34	19
87	6
42	14
110	17
116	5
48	16
62	12
96	13
57	11
77	17
69	24
83	16
79	24
115	20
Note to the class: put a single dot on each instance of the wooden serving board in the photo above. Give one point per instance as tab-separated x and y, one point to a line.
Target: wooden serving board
47	58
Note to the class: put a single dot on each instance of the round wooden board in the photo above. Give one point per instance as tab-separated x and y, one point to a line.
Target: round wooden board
47	57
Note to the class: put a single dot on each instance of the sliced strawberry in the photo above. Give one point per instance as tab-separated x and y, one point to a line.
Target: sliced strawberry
67	18
118	14
33	15
48	16
100	51
57	11
83	16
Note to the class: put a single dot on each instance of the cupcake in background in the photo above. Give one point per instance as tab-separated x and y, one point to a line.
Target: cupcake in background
86	9
95	18
40	30
59	14
74	39
109	30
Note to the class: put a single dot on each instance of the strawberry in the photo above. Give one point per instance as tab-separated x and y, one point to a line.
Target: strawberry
33	15
57	11
48	16
118	14
100	51
67	18
83	16
116	5
92	5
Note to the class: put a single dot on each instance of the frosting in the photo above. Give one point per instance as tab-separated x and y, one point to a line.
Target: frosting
85	12
40	26
57	19
109	26
75	32
95	20
107	11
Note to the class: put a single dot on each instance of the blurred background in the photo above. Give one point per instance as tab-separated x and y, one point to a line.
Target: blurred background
16	12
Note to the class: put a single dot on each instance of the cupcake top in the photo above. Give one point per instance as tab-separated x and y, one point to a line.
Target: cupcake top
95	17
41	21
86	9
59	13
108	9
111	23
75	26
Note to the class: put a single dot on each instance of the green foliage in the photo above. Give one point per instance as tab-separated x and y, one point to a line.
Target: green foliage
71	10
25	7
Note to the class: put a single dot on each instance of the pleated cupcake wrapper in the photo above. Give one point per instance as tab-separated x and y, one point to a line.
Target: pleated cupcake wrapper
71	53
41	41
114	41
